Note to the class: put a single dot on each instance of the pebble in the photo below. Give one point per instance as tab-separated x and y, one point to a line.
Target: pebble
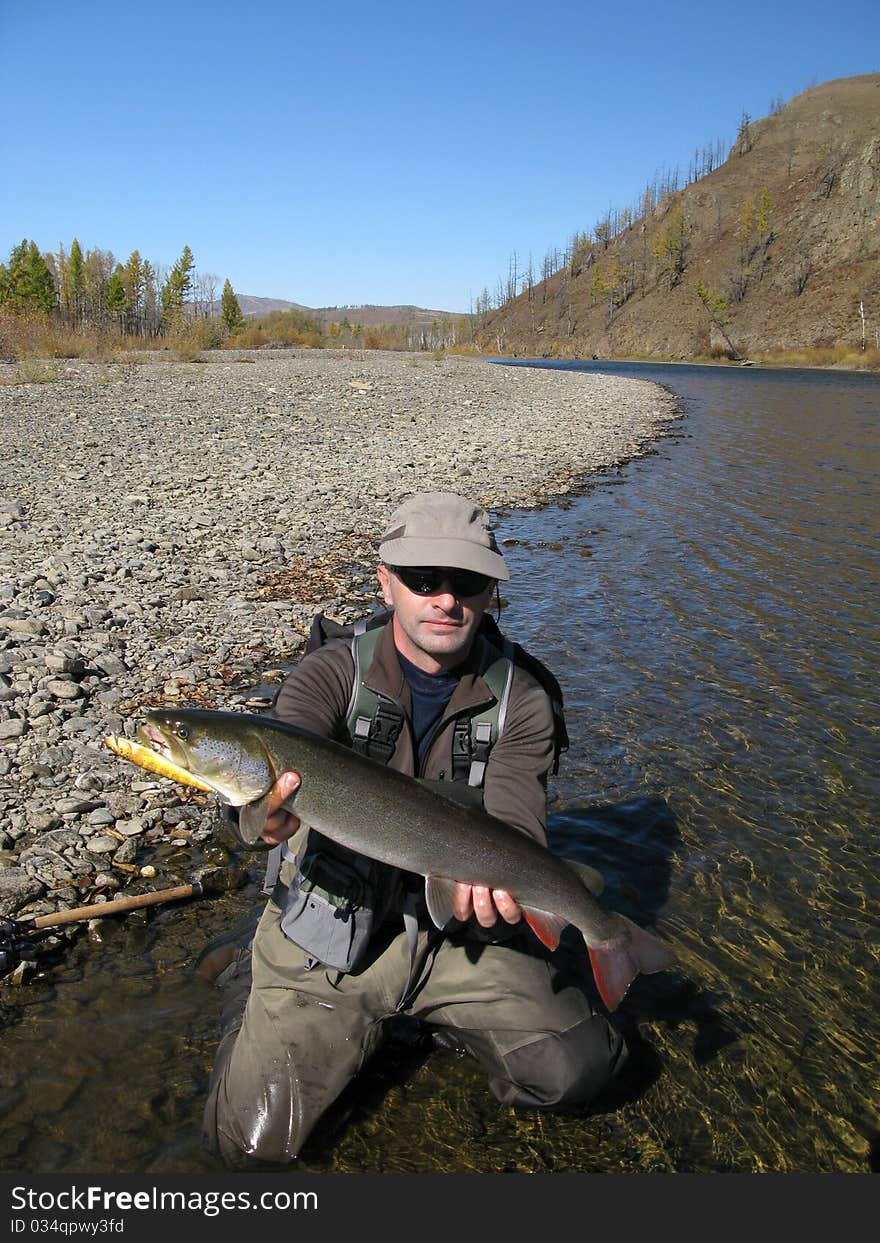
170	530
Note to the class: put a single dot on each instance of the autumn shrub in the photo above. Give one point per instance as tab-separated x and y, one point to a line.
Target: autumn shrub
192	337
45	336
32	371
26	336
847	357
278	328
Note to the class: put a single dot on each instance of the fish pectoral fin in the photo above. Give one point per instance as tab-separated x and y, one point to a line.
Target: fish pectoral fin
252	819
439	895
546	926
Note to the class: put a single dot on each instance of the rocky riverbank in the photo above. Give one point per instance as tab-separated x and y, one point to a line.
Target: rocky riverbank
168	530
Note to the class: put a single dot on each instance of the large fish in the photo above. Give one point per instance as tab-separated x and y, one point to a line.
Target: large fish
396	819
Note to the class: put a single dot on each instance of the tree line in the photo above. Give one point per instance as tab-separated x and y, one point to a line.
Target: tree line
92	290
90	295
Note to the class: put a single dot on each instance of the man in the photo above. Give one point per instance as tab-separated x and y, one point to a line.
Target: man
344	943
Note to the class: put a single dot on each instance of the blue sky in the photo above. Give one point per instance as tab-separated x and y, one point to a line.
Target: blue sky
378	152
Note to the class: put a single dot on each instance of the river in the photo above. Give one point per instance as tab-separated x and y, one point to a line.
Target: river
710	610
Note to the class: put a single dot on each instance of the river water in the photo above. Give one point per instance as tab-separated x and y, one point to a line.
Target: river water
710	610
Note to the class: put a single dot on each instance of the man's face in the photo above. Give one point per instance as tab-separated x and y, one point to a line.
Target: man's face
434	631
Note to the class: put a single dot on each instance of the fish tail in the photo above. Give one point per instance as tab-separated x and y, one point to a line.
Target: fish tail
630	951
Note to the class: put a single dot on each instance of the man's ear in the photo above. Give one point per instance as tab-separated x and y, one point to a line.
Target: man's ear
385	582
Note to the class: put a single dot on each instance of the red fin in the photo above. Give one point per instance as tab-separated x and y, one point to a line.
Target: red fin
617	962
546	926
613	971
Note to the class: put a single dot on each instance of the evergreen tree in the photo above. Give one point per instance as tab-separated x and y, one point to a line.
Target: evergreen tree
716	305
133	285
177	287
114	295
26	285
230	311
98	267
74	288
151	314
671	244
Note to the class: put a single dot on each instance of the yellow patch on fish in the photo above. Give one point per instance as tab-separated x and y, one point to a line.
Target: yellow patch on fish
145	757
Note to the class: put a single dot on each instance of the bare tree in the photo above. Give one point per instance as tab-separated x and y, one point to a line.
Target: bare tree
204	294
512	277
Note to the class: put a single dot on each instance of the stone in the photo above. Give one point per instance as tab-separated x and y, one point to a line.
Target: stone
16	889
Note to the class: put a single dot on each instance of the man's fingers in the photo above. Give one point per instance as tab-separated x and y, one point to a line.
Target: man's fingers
462	905
485	904
509	910
281	824
484	907
280	828
286	785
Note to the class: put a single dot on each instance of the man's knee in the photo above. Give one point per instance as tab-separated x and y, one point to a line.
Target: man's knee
562	1071
254	1108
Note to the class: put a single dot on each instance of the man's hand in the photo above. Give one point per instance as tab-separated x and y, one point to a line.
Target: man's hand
486	904
280	823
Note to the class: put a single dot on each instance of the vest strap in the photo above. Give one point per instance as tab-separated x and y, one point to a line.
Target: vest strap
273	867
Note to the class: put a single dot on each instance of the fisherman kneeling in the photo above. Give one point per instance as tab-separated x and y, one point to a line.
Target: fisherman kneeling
344	942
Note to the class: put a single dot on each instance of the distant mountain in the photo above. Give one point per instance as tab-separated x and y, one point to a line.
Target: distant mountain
263	306
373	316
367	316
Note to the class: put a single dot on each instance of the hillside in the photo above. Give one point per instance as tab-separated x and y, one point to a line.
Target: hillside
376	316
253	306
784	237
367	316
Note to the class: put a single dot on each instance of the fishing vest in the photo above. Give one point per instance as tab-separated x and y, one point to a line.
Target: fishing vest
374	721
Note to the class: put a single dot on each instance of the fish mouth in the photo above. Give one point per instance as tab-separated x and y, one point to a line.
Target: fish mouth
157	740
147	757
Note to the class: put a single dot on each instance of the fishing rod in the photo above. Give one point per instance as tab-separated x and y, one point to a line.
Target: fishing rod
20	938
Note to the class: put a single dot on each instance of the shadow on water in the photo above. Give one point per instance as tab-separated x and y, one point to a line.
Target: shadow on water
632	844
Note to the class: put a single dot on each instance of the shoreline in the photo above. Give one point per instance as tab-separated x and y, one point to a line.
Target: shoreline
168	530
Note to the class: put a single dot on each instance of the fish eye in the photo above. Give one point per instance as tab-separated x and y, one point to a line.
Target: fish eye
181	732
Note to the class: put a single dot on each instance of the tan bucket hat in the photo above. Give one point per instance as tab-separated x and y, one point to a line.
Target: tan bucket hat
442	529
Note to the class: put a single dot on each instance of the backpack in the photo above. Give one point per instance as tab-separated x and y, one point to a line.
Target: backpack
374	723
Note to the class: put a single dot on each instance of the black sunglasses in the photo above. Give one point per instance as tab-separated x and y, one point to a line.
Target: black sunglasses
429	580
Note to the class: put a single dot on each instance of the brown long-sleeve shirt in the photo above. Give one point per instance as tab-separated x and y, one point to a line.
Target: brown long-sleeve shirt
316	696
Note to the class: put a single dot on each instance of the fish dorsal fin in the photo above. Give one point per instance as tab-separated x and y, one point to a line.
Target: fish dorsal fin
546	926
454	791
589	877
439	895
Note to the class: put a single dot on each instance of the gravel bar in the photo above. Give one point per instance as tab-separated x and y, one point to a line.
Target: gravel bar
169	529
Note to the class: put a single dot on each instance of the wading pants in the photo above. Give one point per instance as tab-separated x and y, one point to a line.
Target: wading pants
305	1034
